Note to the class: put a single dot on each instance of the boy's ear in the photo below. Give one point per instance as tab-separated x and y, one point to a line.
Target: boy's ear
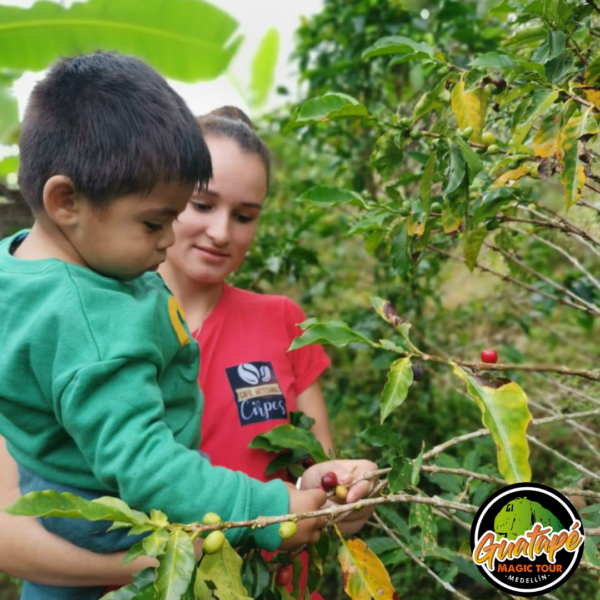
61	201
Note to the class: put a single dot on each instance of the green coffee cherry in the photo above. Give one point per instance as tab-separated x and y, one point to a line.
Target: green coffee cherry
214	542
404	122
405	208
513	164
288	530
443	71
488	138
493	149
466	133
211	518
534	171
436	207
491	225
415	134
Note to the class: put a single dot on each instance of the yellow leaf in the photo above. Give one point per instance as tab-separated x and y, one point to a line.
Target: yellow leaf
592	95
469	108
510	178
573	173
363	574
416	224
544	142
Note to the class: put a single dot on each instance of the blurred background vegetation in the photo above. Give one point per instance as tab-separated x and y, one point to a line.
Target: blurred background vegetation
322	258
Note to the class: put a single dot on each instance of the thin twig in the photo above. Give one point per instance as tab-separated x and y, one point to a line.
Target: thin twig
587	306
481	432
562	457
447	586
588	205
568	256
510	279
569	224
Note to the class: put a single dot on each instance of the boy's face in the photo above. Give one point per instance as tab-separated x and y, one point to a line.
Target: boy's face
132	234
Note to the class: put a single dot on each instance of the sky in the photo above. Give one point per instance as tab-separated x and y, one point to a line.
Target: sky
255	17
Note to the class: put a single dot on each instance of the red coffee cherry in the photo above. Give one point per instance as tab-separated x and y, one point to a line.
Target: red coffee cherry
308	462
329	480
489	356
283	576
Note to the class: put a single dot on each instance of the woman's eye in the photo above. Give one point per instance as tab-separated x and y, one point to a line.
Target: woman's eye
201	207
152	227
243	218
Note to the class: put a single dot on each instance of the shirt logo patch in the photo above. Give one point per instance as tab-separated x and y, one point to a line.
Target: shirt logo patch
256	392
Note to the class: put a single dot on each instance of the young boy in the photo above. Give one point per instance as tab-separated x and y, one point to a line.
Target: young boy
98	378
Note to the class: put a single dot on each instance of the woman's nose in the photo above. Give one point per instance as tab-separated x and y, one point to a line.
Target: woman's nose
218	229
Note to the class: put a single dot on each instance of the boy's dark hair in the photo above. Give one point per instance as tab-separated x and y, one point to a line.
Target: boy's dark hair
234	123
114	126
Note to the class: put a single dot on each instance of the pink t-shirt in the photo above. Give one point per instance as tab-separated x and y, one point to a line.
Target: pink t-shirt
249	380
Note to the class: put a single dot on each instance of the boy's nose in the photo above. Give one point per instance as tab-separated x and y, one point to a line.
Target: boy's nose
167	239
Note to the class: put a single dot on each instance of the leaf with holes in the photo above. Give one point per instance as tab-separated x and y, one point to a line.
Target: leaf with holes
224	571
421	515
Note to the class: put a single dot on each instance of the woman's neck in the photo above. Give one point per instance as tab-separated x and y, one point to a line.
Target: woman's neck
197	299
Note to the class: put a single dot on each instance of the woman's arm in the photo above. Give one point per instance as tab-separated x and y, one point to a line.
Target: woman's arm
312	404
28	551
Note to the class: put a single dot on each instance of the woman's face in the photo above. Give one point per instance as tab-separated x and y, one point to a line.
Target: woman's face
214	232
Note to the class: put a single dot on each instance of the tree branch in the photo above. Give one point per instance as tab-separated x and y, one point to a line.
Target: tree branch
409	553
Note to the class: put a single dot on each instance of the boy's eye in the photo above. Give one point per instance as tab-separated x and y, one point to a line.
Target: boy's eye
243	218
152	227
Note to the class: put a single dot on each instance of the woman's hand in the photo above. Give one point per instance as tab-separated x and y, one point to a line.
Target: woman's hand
347	471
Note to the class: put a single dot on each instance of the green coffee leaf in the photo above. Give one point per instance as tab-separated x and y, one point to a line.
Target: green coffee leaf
421	515
397	44
426	181
400	378
284	437
326	108
224	571
175	567
334	333
63	504
472	243
325	196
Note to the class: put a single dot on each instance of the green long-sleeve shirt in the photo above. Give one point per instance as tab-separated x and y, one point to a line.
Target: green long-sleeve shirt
99	390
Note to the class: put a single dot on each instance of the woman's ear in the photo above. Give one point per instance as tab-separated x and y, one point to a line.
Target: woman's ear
61	201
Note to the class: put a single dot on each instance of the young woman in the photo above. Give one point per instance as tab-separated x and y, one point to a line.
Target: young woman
250	382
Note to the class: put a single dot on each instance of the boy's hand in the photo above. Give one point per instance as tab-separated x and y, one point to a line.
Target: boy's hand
346	471
309	530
